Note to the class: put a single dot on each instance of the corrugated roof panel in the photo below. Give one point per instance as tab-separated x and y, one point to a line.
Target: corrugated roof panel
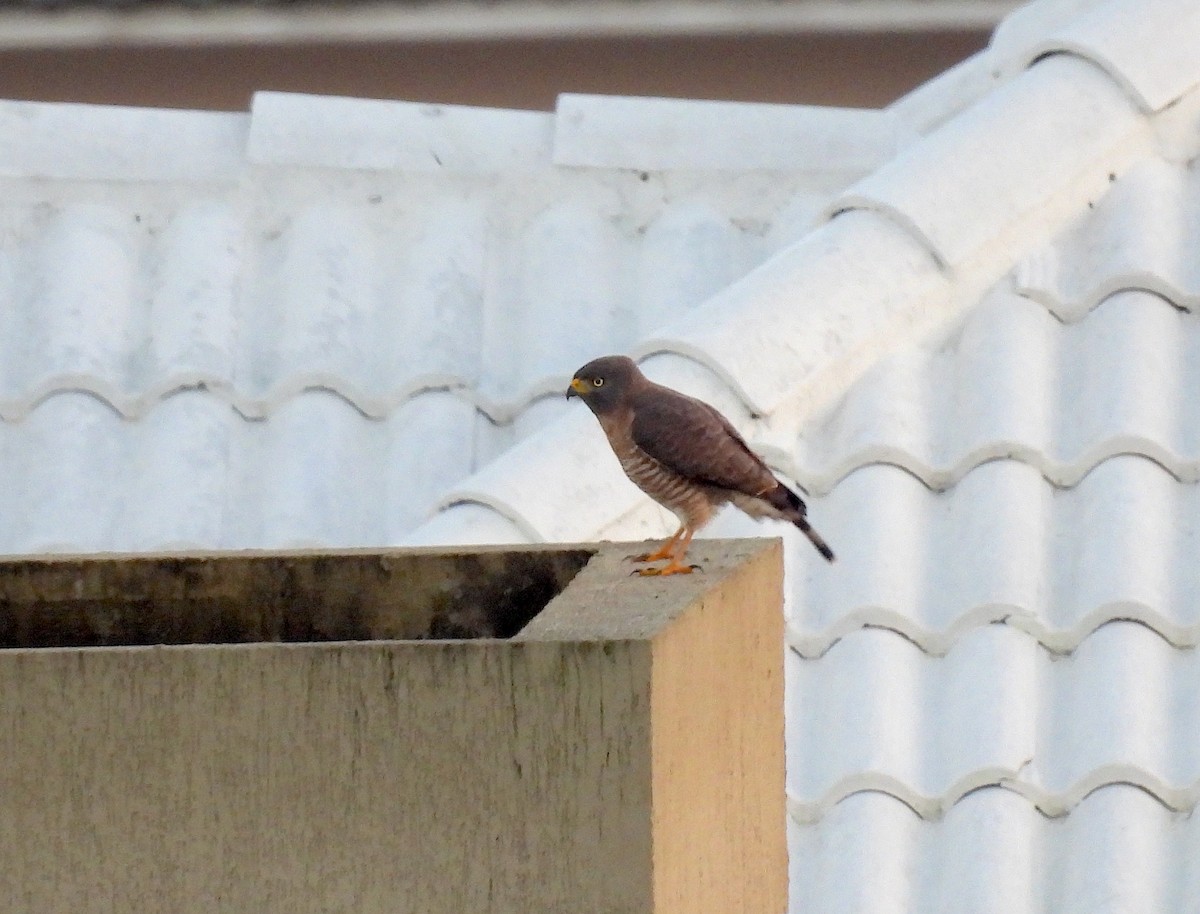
996	709
193	473
927	730
431	446
1142	234
1115	35
992	853
317	301
686	255
193	274
68	477
250	299
1002	545
1076	127
180	490
78	292
318	494
1014	382
434	313
122	299
448	301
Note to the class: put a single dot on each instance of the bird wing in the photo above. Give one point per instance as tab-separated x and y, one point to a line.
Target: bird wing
691	438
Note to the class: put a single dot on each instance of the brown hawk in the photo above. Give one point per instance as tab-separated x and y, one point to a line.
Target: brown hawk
684	454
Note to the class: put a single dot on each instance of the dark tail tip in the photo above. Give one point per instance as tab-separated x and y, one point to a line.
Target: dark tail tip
815	538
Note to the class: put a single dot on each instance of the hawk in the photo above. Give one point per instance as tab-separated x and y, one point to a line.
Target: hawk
684	454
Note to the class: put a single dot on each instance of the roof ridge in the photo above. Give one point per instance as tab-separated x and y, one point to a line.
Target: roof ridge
1111	35
38	139
1028	162
898	254
286	129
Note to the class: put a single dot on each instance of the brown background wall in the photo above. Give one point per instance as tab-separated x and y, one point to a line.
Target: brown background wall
869	69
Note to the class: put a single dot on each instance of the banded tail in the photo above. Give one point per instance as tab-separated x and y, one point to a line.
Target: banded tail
792	507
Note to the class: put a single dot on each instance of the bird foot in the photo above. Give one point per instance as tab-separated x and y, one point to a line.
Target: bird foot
646	557
672	568
656	556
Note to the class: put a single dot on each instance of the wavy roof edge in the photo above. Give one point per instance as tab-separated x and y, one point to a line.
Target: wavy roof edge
1051	804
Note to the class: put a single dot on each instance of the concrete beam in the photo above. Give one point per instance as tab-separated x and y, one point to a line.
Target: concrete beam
622	753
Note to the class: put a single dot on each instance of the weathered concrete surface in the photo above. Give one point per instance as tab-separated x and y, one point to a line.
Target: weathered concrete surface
623	754
223	598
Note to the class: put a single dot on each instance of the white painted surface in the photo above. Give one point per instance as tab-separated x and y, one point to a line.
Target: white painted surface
96	143
1115	35
293	129
985	180
334	318
659	133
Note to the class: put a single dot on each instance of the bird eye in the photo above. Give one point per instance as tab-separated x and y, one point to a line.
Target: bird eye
597	382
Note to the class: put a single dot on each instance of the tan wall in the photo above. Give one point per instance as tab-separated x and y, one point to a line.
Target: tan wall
866	70
622	755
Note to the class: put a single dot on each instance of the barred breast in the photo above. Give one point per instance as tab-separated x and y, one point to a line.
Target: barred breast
691	503
687	501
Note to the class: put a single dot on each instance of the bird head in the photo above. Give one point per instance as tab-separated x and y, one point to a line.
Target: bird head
603	382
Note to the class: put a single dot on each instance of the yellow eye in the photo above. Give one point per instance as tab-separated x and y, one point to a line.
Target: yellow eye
597	382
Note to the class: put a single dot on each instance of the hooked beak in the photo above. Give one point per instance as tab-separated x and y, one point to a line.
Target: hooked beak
577	388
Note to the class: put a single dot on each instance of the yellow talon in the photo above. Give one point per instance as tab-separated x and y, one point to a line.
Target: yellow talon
673	568
665	551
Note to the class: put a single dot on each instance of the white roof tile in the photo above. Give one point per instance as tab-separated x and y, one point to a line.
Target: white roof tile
992	853
193	472
95	142
483	524
981	178
1002	545
290	129
380	288
1142	235
1014	382
1030	24
825	307
1115	36
996	710
660	134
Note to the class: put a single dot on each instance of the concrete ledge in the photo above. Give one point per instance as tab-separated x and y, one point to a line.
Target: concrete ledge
622	753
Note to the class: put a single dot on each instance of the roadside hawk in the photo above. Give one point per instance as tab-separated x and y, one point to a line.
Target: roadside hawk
684	454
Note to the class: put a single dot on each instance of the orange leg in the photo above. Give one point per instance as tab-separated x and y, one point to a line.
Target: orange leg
665	551
676	565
